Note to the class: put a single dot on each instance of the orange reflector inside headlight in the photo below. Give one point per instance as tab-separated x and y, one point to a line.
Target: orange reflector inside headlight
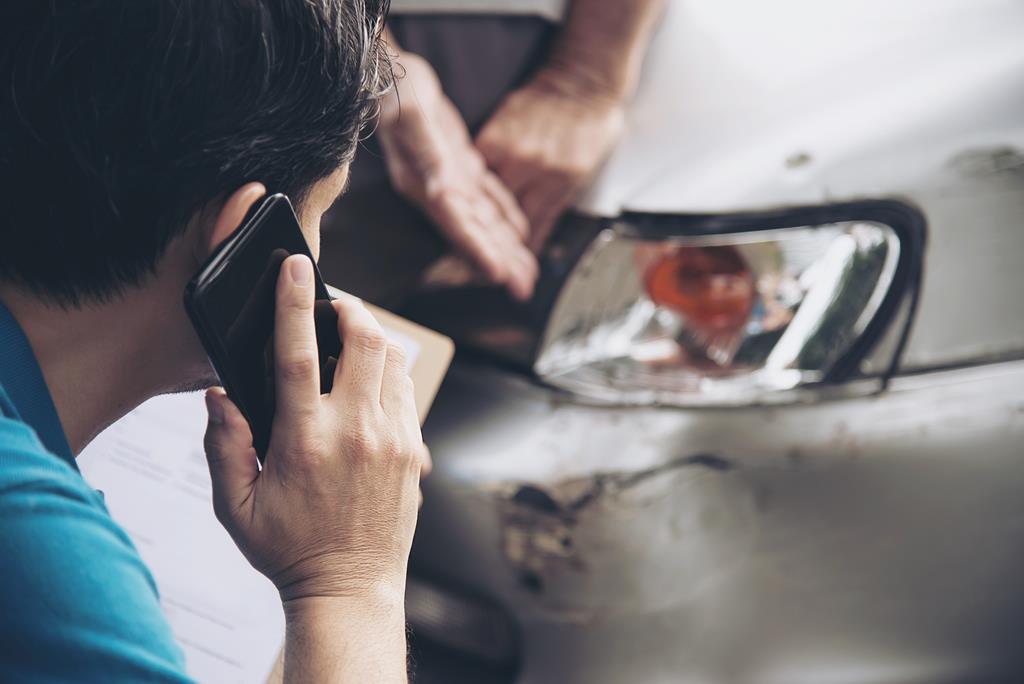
711	286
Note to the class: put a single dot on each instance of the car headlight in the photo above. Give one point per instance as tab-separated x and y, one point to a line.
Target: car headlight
741	315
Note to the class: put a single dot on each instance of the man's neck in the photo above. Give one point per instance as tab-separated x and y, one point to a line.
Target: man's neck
101	361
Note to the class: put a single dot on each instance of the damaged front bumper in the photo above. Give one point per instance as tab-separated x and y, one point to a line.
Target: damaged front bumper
863	540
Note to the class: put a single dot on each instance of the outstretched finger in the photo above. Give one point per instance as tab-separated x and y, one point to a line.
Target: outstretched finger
457	219
520	264
359	374
296	364
506	203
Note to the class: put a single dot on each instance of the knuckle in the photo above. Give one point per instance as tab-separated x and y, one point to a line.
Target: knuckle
298	368
397	355
362	440
298	300
369	340
214	446
413	455
308	446
303	451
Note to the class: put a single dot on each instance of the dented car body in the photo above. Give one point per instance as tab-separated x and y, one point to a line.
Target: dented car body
862	524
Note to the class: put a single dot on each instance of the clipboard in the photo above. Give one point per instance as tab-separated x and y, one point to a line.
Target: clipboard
429	353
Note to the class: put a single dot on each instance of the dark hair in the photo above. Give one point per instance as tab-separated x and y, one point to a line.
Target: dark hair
121	119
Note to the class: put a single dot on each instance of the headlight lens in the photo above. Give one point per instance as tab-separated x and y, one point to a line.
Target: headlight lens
715	319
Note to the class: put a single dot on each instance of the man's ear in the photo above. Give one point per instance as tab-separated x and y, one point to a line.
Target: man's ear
232	213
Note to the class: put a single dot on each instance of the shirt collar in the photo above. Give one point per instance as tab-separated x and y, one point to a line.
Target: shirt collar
22	380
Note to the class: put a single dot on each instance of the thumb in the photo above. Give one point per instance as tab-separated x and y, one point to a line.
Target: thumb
229	454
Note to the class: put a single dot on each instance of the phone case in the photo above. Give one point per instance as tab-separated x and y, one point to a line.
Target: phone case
234	319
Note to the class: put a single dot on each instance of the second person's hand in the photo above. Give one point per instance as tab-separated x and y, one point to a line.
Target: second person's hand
547	140
432	161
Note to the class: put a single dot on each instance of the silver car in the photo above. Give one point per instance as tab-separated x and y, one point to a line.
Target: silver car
764	421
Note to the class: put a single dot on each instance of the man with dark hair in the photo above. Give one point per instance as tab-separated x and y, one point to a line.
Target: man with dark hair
134	137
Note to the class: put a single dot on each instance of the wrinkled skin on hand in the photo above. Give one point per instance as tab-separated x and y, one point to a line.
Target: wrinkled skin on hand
432	161
547	140
333	511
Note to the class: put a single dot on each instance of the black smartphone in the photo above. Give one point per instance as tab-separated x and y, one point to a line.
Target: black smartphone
231	304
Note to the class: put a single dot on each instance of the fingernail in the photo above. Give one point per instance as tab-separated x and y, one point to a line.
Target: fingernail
301	271
215	410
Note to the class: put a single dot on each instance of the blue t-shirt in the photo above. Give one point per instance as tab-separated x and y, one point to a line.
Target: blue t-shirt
76	601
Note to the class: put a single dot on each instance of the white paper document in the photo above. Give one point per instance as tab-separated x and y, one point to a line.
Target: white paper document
151	468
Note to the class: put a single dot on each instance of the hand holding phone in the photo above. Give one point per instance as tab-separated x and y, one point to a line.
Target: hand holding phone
231	303
330	517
